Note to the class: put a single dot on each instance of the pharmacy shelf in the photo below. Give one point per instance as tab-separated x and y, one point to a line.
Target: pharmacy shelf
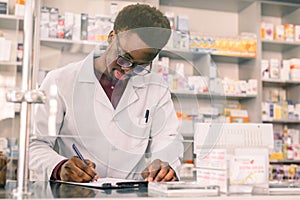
284	161
277	82
10	21
181	54
229	6
11	17
207	95
66	43
10	63
279	46
217	56
287	121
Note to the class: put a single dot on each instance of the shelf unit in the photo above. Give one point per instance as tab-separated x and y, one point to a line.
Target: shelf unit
279	13
11	63
207	95
233	18
283	121
58	42
11	69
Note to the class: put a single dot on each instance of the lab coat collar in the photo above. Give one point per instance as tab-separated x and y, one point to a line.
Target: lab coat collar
87	68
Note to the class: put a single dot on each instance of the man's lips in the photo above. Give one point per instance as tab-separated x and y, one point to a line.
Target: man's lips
119	75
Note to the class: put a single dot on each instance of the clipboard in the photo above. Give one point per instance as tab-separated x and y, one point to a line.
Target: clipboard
110	183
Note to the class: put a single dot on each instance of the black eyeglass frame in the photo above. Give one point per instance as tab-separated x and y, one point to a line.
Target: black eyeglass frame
139	69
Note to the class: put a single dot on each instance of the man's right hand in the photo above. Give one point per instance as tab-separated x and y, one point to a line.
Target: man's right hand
75	170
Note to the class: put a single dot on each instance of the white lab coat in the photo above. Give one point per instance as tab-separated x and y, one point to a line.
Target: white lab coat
115	139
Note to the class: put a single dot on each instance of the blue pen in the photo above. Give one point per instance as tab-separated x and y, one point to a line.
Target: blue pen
78	153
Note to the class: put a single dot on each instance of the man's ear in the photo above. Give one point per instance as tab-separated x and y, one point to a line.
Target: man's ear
110	36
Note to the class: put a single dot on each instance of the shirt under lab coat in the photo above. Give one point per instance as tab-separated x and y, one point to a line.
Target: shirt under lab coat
115	140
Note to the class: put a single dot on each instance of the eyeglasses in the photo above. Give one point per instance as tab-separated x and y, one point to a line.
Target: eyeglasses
139	69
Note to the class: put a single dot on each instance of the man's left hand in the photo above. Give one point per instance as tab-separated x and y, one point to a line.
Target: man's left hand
159	171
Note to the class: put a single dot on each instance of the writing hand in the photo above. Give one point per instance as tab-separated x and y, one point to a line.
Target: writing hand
76	170
159	171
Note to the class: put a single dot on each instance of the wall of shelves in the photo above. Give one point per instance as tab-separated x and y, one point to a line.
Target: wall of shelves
10	70
10	78
280	14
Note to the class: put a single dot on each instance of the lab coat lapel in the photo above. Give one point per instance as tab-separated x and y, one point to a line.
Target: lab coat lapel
129	97
87	76
84	110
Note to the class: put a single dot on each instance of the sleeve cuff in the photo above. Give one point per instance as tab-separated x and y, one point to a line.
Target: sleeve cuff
54	175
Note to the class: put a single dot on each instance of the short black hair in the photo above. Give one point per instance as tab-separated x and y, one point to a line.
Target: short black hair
148	22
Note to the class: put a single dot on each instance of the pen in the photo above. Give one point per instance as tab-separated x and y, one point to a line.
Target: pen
78	153
146	116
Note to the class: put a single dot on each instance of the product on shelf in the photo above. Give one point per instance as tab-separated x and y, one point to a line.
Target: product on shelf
286	32
284	173
91	29
44	22
234	113
274	68
53	20
84	26
3	7
103	26
244	45
289	32
20	7
20	52
198	84
68	25
74	26
297	33
61	27
279	32
267	31
265	73
5	48
295	68
286	145
281	70
281	110
76	32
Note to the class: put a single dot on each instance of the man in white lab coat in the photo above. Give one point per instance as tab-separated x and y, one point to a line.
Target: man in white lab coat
119	114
